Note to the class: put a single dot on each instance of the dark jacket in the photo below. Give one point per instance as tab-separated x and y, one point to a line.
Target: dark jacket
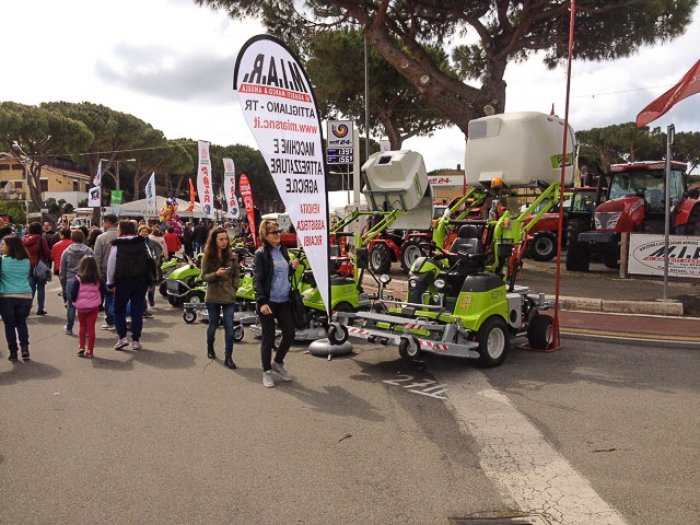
132	261
262	273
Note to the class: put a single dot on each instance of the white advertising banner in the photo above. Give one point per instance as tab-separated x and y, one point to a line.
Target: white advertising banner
279	106
205	191
95	197
230	189
151	194
646	255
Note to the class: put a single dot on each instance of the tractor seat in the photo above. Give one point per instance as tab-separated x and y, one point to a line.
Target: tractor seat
340	279
468	242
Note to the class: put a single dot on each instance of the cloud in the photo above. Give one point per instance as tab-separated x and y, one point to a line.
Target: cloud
165	73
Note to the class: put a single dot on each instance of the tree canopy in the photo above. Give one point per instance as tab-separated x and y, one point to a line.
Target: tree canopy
486	36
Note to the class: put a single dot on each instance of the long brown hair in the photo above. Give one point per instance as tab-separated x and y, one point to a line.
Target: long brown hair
15	247
211	250
88	270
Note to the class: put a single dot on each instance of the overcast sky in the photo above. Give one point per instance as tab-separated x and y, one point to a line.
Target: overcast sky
170	63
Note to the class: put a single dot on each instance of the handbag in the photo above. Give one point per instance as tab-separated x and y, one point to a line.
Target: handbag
42	273
298	308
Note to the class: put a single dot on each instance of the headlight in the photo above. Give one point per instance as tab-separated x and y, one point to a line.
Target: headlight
440	283
412	283
385	278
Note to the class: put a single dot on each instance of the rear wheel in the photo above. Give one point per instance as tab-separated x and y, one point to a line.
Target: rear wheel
544	246
238	333
174	301
577	258
410	251
611	261
694	222
379	258
493	342
539	332
196	298
163	288
407	350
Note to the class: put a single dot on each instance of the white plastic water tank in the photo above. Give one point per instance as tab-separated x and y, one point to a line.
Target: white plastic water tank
520	148
397	178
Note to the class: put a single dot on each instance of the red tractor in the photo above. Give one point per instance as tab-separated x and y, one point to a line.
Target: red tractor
635	203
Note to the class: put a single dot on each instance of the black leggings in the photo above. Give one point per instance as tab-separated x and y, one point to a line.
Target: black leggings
285	320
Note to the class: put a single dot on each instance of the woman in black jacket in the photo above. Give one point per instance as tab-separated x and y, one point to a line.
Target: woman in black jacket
271	282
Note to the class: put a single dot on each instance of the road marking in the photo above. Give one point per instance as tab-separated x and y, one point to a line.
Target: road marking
610	334
533	476
427	387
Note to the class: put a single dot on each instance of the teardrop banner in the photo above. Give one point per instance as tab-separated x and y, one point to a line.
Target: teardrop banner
281	111
247	196
230	188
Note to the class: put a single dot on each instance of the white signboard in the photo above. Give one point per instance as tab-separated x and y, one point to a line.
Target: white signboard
446	180
280	109
205	191
646	256
230	189
339	134
95	197
151	194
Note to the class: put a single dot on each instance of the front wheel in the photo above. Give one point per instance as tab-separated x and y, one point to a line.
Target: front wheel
410	251
196	298
189	316
174	301
543	247
493	342
337	334
540	332
238	333
379	259
408	349
163	288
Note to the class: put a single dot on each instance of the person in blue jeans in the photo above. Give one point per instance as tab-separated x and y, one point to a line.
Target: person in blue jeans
102	248
70	263
38	250
15	295
130	271
221	272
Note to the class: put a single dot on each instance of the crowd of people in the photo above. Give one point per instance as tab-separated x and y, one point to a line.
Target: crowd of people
115	268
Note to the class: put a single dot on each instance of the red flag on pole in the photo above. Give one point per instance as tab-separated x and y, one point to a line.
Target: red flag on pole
247	196
689	85
192	194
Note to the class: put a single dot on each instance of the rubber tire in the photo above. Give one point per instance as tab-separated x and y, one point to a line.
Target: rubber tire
163	288
410	251
379	259
337	334
343	306
543	247
610	261
238	333
577	258
539	332
196	298
174	301
492	327
693	227
189	317
404	346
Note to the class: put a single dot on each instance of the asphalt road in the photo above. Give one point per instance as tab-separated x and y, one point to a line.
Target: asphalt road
163	435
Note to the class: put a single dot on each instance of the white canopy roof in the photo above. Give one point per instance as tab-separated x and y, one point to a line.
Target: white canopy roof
139	209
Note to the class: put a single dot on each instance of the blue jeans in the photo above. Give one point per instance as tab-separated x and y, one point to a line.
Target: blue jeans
14	313
38	289
70	309
214	309
109	304
129	292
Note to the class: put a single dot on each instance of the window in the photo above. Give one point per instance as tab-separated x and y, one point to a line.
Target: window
5	167
76	185
19	184
44	185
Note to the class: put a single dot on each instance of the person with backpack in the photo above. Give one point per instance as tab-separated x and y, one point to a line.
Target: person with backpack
87	293
70	264
38	250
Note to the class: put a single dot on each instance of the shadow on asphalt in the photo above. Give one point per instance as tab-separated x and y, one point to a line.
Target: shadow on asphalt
27	370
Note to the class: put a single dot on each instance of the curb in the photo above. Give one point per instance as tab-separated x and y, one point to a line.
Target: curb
587	304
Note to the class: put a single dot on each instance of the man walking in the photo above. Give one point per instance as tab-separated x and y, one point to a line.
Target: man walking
103	245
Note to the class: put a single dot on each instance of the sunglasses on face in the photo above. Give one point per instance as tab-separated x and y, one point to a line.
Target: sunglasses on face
273	232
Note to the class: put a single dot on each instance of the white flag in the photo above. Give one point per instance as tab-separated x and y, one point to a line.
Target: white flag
151	194
95	197
97	181
205	191
280	109
230	189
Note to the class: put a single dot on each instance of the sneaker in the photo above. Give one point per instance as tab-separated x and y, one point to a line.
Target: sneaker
135	345
108	327
121	343
89	355
281	372
41	312
67	331
81	352
147	315
267	379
